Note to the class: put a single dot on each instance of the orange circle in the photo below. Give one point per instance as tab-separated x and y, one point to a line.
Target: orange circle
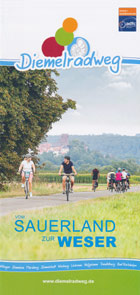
70	24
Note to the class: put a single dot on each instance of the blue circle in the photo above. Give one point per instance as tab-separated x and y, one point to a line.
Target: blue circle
74	42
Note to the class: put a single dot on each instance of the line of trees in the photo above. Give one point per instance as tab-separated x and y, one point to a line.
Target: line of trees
85	160
117	146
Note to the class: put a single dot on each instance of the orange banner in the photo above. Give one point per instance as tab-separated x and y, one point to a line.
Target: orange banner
127	11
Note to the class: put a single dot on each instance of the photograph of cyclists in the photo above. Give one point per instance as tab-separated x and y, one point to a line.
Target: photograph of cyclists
69	147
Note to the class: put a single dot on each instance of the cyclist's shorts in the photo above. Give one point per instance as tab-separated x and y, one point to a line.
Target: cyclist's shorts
117	181
112	180
95	178
30	177
71	177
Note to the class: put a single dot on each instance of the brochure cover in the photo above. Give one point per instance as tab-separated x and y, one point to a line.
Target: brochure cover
69	147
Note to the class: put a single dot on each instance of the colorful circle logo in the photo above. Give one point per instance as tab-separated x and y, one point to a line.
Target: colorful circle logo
64	36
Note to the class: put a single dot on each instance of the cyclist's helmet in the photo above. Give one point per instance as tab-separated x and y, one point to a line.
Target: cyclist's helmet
123	169
28	156
119	169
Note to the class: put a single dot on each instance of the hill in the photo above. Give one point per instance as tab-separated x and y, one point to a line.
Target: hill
116	146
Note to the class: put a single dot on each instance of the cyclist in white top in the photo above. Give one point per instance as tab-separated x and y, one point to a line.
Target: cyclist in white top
27	165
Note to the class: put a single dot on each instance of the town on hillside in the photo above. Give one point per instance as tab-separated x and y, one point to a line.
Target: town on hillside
61	147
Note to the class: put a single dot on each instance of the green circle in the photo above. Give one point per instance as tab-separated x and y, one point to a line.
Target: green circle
63	38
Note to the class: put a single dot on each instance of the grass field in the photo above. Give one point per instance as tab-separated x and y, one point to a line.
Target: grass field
42	189
123	209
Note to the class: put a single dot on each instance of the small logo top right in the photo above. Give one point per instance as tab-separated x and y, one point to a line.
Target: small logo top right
127	19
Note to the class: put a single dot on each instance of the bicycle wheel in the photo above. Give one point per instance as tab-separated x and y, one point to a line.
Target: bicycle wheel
123	189
26	189
67	190
118	188
95	186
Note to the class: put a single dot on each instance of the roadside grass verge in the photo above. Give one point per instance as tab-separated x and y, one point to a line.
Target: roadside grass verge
123	209
43	189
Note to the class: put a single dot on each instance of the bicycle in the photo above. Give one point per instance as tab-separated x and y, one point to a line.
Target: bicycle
95	185
111	185
68	184
124	188
127	185
26	189
118	186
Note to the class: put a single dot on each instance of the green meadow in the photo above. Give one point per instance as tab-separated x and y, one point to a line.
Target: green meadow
123	209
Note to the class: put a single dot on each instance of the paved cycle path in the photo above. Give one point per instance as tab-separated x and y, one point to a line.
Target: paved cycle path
9	205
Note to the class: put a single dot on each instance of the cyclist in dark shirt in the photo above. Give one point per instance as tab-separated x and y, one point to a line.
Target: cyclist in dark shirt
68	168
95	175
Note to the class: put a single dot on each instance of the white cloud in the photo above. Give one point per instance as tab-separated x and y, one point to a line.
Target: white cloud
127	72
128	77
120	85
76	113
132	72
78	106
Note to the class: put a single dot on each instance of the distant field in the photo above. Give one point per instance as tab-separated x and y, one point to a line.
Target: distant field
80	178
124	210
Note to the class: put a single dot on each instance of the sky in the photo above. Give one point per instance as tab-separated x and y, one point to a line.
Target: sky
105	103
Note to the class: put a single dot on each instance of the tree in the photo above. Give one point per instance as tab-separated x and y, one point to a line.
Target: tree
29	104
